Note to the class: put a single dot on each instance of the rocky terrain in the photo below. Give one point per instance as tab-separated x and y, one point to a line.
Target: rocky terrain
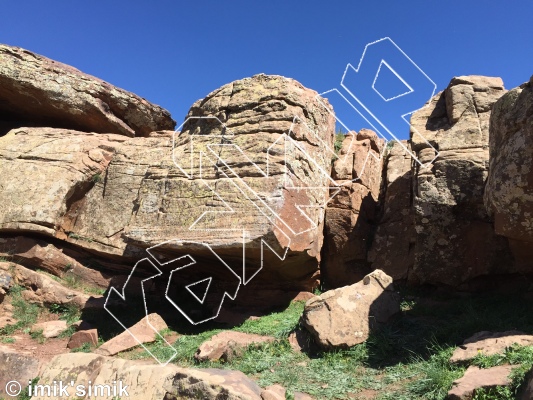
248	232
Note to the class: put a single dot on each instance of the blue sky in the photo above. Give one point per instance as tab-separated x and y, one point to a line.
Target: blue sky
175	52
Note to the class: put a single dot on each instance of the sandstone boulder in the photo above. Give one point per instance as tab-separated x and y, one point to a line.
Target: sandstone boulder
116	196
509	190
37	91
228	344
453	240
145	381
345	317
351	213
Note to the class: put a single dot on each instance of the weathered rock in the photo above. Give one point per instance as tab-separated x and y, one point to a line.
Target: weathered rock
117	196
144	331
476	378
344	317
273	392
393	243
144	381
44	290
43	255
509	190
351	212
455	242
78	339
489	343
16	366
37	91
46	172
228	344
50	329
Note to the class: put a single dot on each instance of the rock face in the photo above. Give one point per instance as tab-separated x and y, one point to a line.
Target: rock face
264	124
509	190
351	212
142	381
393	242
453	240
344	317
37	91
117	196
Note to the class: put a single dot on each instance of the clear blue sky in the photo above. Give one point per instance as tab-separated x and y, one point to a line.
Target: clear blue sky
175	52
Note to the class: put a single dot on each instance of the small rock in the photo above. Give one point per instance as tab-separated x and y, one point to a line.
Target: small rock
142	331
476	378
489	343
273	392
50	329
227	344
80	338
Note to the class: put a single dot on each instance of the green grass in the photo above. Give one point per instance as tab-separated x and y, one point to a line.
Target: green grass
407	359
25	313
278	324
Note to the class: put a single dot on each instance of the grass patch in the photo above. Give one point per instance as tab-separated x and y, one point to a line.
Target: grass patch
25	313
407	359
278	324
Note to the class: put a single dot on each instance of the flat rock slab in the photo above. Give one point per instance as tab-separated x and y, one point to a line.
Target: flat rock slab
476	378
225	345
146	381
489	343
37	91
50	329
144	331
